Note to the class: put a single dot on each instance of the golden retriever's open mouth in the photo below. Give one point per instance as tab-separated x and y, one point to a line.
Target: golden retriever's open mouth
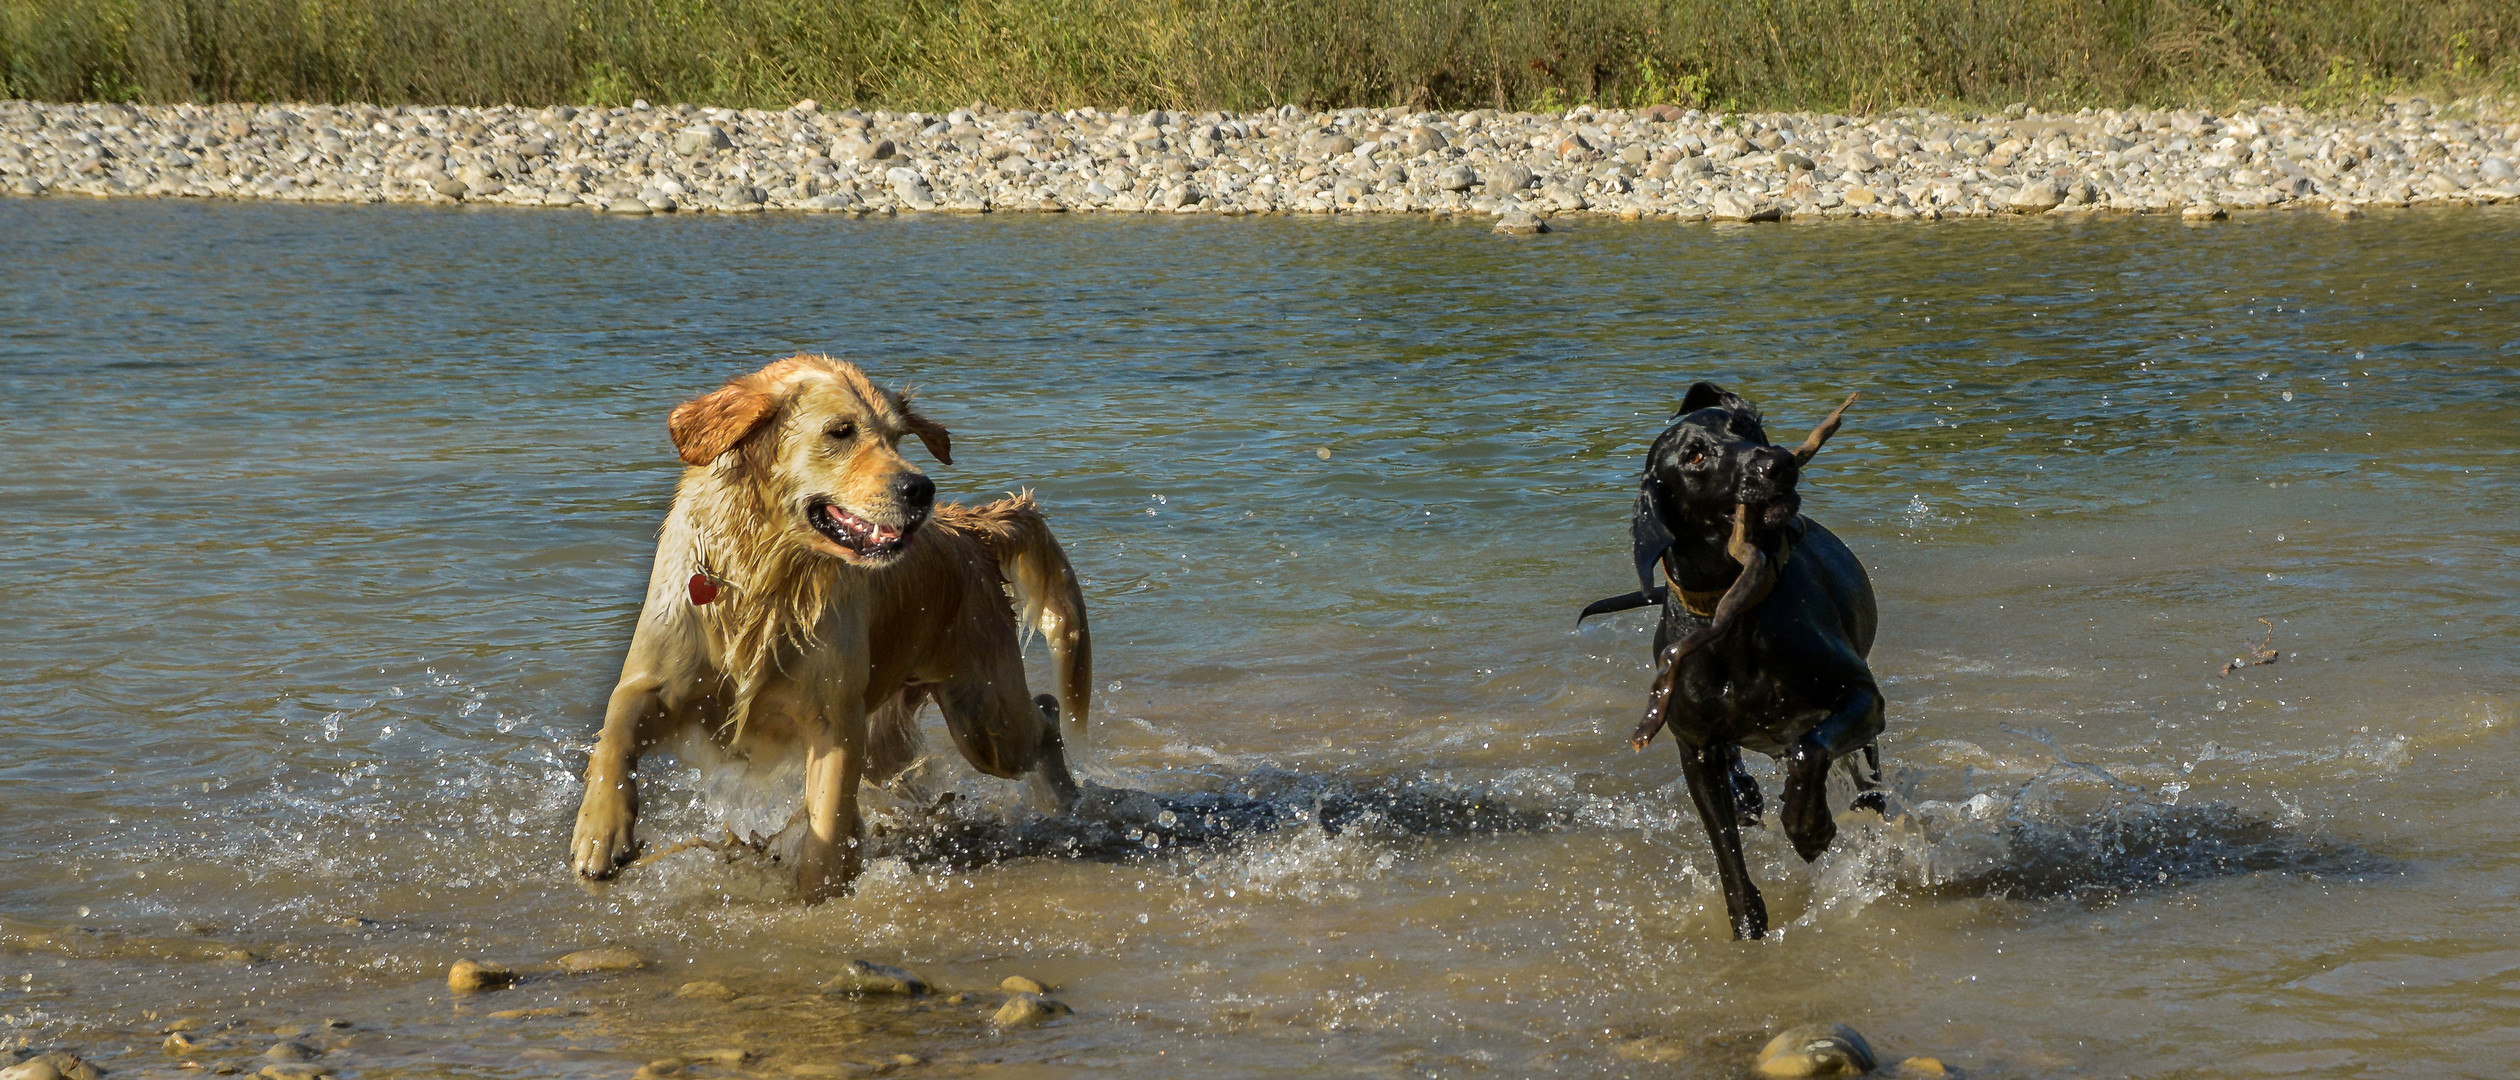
862	537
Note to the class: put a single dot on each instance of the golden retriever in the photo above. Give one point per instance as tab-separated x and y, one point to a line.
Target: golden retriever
809	595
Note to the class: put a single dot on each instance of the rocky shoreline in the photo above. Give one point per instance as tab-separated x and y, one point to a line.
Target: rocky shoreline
1655	162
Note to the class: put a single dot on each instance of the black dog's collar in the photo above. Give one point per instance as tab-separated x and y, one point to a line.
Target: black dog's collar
1701	602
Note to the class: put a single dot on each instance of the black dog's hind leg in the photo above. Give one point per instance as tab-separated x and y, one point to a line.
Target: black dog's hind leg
1855	724
1710	787
1867	777
1746	797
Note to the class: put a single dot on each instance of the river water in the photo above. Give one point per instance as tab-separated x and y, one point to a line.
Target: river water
325	527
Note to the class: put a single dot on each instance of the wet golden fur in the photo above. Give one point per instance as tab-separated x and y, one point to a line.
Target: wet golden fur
816	649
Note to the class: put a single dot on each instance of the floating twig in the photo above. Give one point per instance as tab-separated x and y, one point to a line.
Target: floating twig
2262	653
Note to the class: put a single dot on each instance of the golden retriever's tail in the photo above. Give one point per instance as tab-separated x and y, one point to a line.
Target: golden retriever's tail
1047	601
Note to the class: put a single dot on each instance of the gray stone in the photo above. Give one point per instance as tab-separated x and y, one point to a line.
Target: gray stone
2203	211
1456	178
1426	140
1520	223
1331	145
627	206
1816	1051
1733	206
290	1050
1563	197
864	978
1858	161
2497	171
701	139
1507	178
910	187
2036	197
1791	160
449	187
1694	166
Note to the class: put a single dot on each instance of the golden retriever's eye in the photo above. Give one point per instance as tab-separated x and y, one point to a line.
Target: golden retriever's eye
843	431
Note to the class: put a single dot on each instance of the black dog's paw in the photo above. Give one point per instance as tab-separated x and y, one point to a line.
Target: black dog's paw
1746	798
1812	835
1875	801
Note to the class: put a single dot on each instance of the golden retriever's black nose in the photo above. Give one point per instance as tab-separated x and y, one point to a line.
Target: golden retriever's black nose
914	490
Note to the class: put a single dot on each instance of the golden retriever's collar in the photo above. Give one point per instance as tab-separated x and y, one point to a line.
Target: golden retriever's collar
705	586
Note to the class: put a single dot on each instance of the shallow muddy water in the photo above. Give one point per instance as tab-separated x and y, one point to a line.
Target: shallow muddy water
324	530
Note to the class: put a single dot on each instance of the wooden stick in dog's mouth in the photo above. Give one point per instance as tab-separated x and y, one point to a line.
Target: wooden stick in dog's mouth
1819	435
1757	577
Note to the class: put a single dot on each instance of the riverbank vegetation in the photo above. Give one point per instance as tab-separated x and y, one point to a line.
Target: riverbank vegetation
1855	55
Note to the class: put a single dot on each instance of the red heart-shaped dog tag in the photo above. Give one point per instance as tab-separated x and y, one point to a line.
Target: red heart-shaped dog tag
703	590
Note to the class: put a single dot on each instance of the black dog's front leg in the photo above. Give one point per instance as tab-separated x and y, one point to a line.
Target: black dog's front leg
1807	821
1710	787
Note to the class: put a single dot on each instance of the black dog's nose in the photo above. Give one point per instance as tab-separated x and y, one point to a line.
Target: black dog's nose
914	490
1774	469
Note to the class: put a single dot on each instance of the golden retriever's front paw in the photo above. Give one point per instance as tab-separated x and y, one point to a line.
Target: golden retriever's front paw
825	871
606	839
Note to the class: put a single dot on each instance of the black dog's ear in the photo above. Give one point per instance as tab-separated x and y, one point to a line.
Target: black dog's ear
1707	395
1646	534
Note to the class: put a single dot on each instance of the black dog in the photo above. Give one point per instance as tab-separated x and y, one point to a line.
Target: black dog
1764	631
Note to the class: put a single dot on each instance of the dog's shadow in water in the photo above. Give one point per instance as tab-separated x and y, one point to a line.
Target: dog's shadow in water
1933	849
1116	824
2101	855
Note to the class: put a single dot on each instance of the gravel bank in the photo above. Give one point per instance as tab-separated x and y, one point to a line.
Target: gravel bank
1660	162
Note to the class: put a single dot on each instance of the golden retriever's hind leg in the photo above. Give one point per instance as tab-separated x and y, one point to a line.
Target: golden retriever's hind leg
894	752
1053	786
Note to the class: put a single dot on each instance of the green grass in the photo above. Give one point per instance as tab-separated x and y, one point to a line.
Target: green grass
1855	55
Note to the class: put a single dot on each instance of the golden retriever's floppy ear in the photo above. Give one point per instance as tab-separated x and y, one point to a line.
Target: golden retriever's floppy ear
939	442
707	426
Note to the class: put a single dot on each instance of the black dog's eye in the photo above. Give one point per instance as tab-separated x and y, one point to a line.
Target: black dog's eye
1696	455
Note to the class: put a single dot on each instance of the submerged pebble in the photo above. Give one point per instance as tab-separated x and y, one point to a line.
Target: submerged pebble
55	1065
1520	223
290	1050
472	976
1903	165
865	977
294	1070
1653	1049
1816	1050
1025	1010
661	1067
1017	984
704	990
609	958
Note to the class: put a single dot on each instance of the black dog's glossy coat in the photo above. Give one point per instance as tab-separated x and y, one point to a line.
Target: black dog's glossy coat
1789	677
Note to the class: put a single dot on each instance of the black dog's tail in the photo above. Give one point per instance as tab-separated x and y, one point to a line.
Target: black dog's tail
1622	602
